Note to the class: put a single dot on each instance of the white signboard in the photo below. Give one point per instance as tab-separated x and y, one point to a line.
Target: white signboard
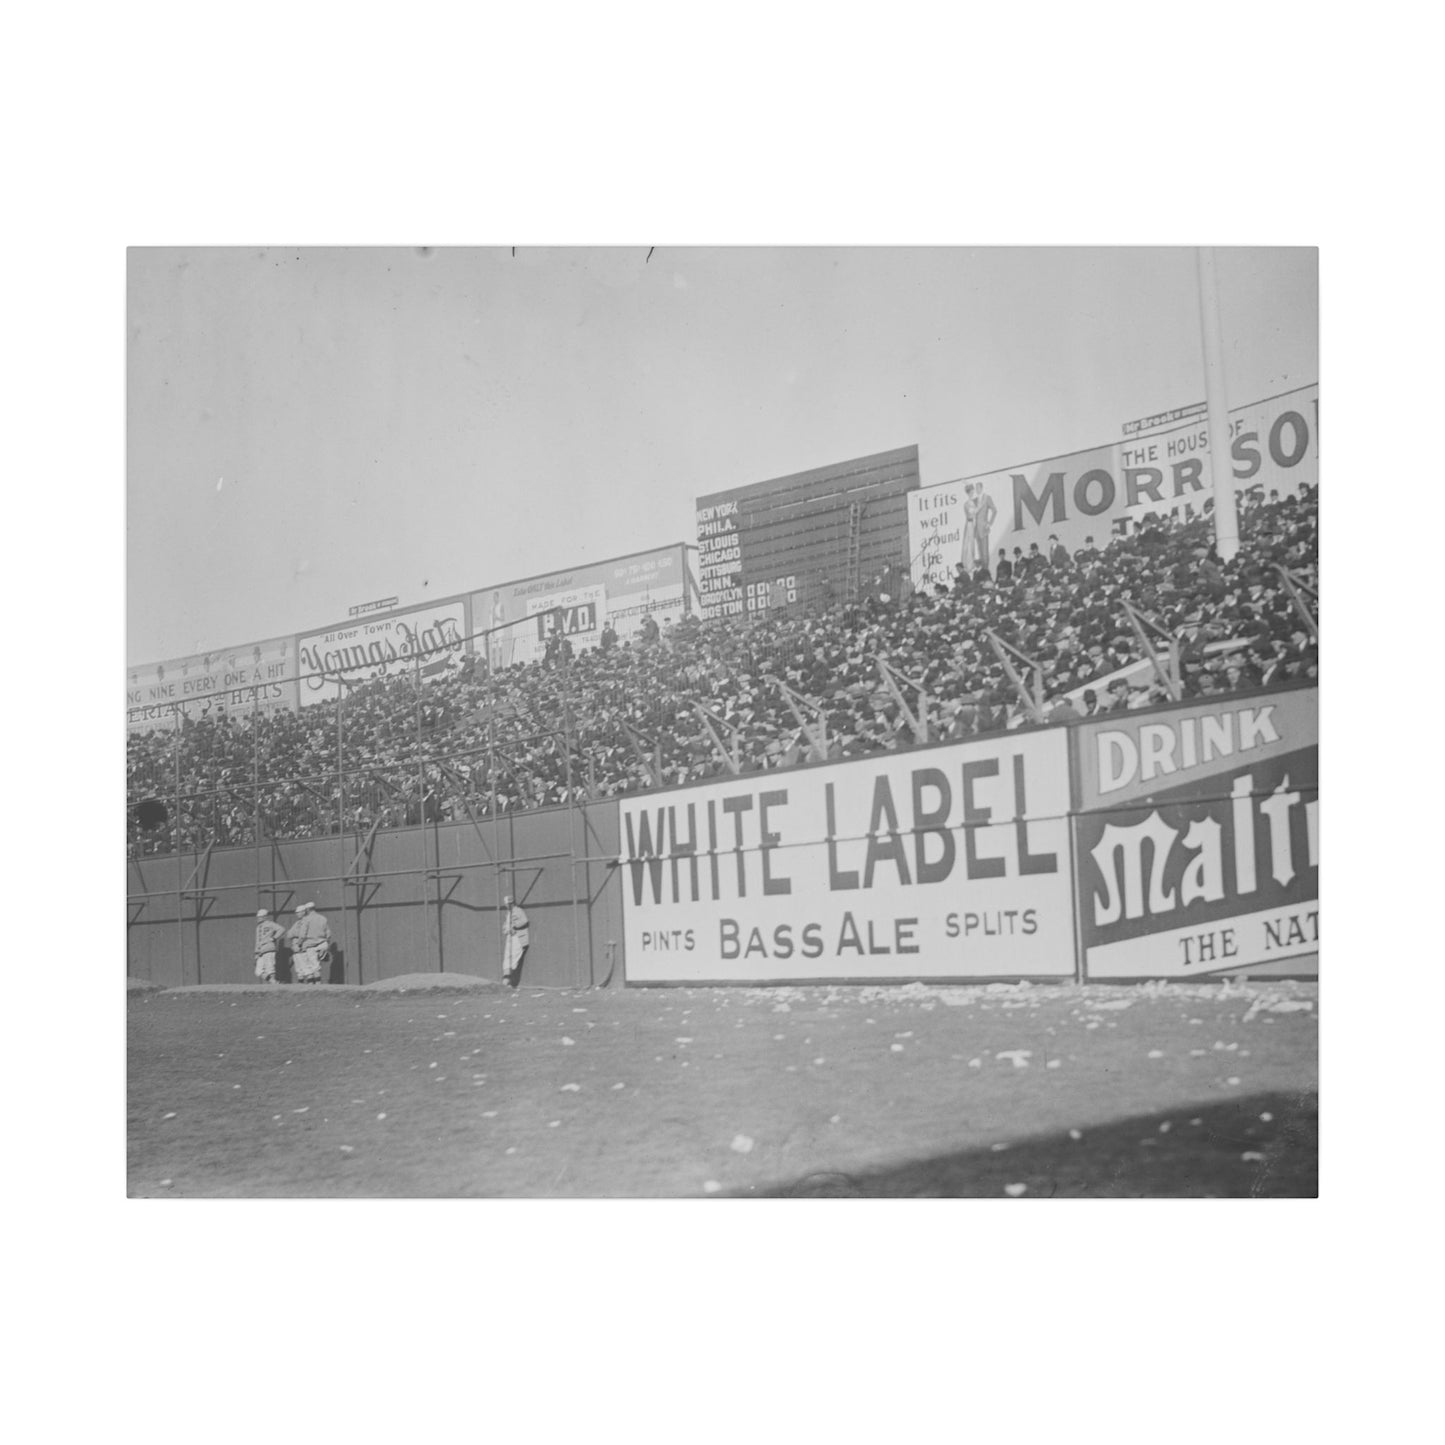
942	863
623	591
426	640
257	678
1094	493
580	613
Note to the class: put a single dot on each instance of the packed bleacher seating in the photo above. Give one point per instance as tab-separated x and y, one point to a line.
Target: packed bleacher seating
625	717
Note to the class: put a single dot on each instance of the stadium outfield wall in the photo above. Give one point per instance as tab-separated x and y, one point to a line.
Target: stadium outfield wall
1175	842
1178	842
409	900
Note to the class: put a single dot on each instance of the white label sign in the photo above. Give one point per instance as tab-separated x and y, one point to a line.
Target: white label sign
949	862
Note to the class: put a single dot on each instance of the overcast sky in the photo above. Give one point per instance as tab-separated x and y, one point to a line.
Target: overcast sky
312	429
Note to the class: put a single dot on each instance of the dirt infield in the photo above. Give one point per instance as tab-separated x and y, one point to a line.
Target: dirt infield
1154	1091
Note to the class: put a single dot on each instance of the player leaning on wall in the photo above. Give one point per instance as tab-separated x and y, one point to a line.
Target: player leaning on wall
310	940
518	938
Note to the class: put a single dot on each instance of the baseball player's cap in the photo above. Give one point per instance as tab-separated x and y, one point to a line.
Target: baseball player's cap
508	900
303	907
263	913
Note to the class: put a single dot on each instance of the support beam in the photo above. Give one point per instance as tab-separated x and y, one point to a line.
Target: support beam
731	756
892	679
1298	590
200	863
1030	694
363	852
461	784
803	709
1166	666
649	753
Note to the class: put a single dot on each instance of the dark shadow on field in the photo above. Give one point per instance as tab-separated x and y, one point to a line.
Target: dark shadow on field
1136	1158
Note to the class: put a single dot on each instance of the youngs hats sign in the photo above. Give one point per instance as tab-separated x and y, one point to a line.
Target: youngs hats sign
425	641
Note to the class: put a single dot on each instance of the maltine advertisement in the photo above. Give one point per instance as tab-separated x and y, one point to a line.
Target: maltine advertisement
1198	839
259	677
425	641
1093	493
517	618
942	863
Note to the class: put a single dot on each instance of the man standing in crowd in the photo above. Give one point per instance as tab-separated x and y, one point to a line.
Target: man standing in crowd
1058	553
517	937
310	940
268	934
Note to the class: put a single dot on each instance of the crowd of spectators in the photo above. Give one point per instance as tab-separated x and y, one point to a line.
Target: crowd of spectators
627	716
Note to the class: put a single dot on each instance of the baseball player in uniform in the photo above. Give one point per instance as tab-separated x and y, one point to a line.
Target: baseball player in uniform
310	940
269	933
518	936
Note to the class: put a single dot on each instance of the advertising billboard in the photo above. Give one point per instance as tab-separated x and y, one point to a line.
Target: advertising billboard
1093	493
259	677
1197	838
942	863
622	591
428	641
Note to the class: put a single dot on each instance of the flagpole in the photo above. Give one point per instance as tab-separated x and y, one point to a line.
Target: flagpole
1226	517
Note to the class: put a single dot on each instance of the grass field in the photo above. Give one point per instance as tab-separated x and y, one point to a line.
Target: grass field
1154	1091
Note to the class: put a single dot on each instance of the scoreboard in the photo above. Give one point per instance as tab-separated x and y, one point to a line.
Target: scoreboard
814	537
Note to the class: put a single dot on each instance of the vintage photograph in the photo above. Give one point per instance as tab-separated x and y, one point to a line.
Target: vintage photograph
722	722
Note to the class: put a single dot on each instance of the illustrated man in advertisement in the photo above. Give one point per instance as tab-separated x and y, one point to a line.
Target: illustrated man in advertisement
517	937
979	512
501	642
269	934
310	940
